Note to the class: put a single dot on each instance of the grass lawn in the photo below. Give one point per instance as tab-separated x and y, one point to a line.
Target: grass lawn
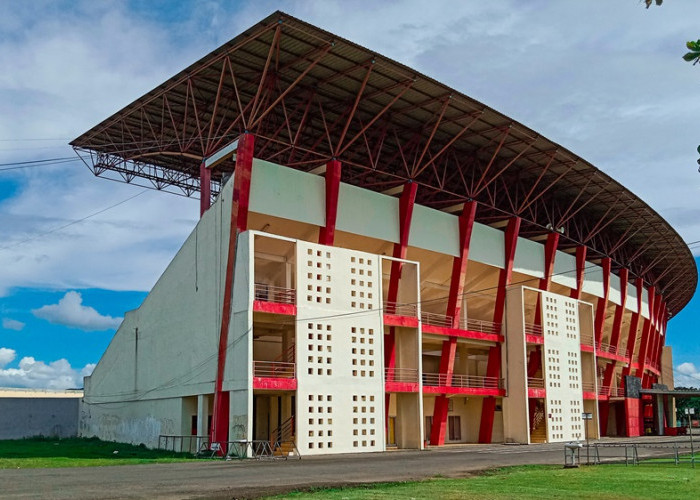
78	452
658	481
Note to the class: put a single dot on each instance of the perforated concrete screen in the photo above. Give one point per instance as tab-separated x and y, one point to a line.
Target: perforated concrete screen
339	351
562	367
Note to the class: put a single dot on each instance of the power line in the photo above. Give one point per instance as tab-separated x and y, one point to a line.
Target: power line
72	223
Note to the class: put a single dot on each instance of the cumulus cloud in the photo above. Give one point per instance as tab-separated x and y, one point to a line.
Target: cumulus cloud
71	312
12	324
6	356
34	374
687	375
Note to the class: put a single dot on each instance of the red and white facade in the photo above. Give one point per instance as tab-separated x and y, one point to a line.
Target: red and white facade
386	262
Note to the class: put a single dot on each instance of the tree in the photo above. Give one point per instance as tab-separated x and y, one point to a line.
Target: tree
694	54
683	403
649	2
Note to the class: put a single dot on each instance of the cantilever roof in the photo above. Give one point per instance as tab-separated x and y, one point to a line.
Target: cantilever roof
309	95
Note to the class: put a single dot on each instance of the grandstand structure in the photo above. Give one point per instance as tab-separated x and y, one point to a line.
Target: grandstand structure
381	260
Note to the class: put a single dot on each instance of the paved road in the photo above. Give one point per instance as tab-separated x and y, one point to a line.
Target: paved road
250	478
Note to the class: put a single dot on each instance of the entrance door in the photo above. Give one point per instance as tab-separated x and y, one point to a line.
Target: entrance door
391	432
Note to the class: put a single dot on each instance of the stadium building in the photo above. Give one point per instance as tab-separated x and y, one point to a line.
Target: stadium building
380	261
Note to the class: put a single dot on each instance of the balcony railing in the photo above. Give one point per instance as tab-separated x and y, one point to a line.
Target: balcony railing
478	325
535	383
587	339
274	369
400	309
533	329
406	375
588	387
462	381
433	319
611	391
653	364
277	294
611	349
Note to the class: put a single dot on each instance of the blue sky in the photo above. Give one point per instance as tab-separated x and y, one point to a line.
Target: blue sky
606	82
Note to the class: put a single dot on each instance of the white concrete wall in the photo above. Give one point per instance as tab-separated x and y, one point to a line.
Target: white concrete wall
340	393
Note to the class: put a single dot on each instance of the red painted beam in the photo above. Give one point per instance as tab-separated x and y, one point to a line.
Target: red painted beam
405	321
401	387
646	333
602	307
634	327
239	223
466	391
453	332
459	264
616	334
327	233
406	204
454	301
493	367
447	359
580	272
205	187
274	308
275	384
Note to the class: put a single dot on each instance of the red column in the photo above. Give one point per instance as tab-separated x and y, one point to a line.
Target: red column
239	223
550	251
580	271
205	188
634	326
454	301
406	203
615	336
493	367
602	307
646	334
656	346
327	233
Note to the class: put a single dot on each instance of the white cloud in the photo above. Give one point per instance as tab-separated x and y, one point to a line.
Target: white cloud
31	373
12	324
6	356
687	375
71	312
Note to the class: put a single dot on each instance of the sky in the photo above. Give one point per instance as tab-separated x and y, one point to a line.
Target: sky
603	79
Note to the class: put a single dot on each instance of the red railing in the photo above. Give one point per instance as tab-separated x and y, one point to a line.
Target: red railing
535	383
433	319
407	375
400	309
274	369
478	325
462	381
533	329
277	294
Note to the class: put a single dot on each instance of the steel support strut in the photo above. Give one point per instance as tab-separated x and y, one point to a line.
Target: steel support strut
493	368
580	272
205	186
327	234
646	333
406	203
454	301
239	222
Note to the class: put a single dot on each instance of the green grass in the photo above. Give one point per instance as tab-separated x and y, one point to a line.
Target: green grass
78	452
663	482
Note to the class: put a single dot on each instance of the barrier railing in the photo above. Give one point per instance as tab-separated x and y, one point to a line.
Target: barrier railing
400	309
181	444
277	294
611	391
478	325
533	329
462	381
611	349
588	387
407	375
587	339
274	369
535	383
433	319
